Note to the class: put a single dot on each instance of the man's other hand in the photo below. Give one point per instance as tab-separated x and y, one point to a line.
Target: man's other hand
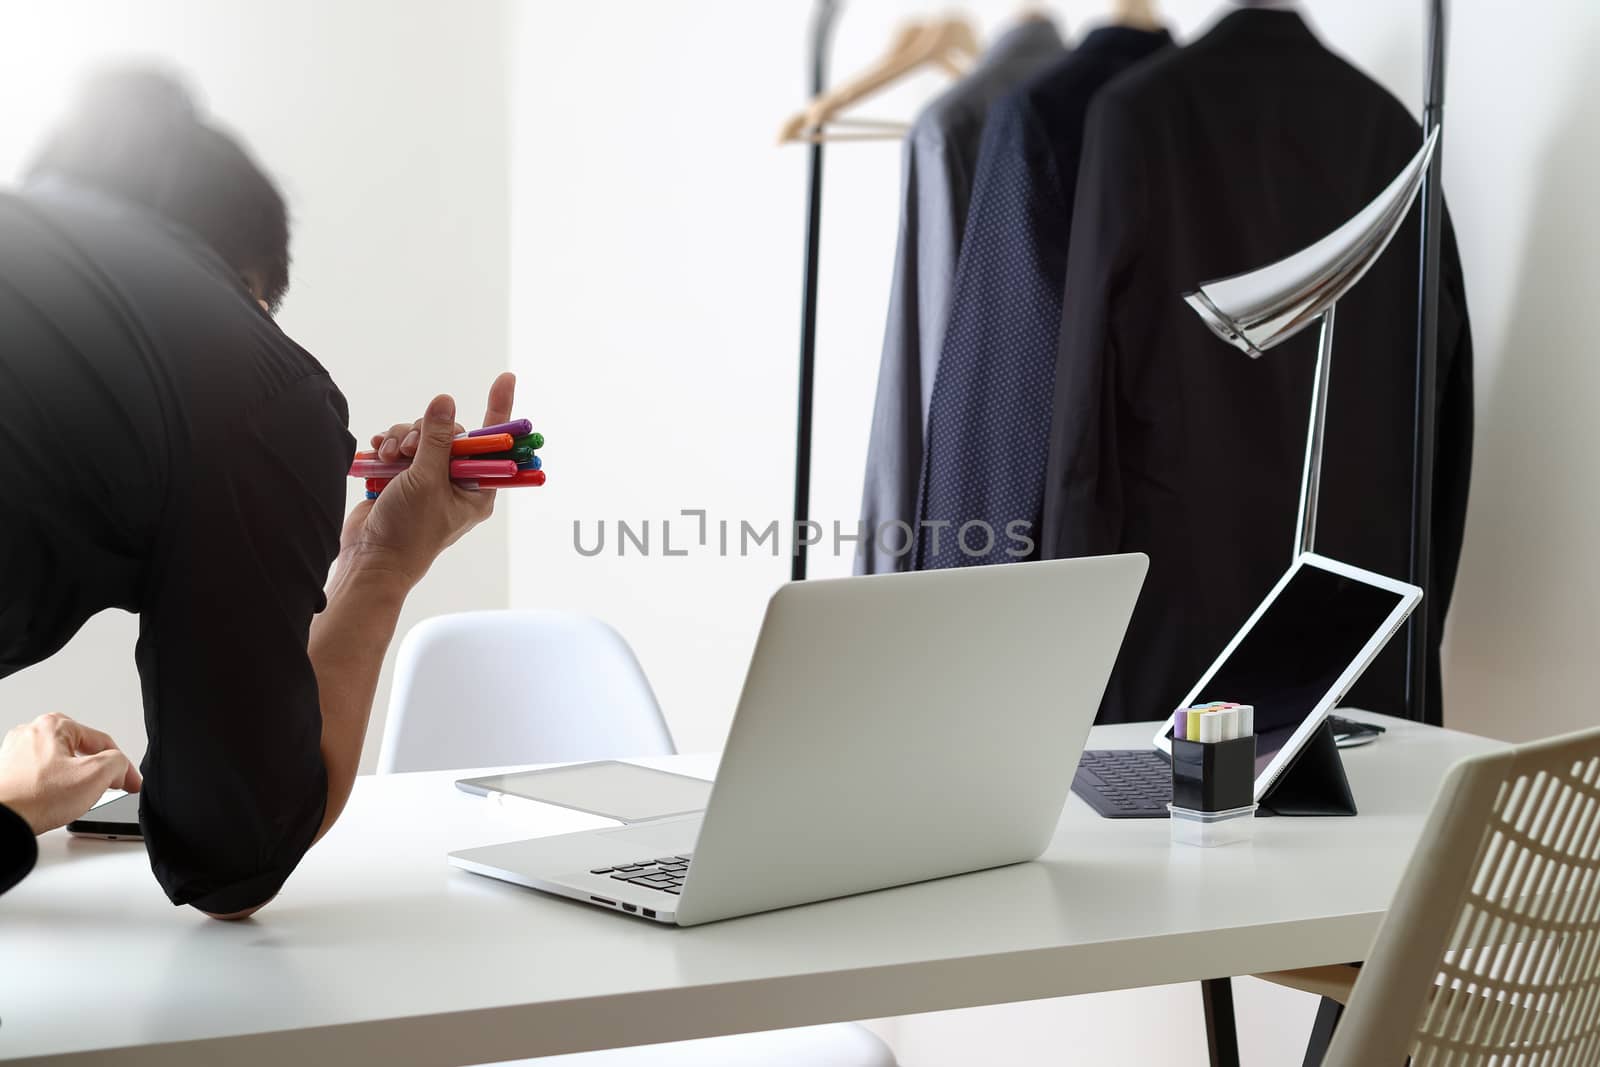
53	769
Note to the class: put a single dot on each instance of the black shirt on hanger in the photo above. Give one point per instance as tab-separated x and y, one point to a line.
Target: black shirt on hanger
989	420
167	450
1209	160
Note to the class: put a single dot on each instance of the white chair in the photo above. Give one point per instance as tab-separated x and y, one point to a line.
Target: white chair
494	688
486	688
1489	955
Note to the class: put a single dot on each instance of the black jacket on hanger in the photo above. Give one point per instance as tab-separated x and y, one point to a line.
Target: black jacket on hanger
1209	160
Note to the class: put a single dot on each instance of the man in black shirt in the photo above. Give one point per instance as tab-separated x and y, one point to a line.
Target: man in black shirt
167	450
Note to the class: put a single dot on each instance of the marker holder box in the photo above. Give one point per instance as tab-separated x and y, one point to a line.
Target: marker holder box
1214	775
1213	791
1208	829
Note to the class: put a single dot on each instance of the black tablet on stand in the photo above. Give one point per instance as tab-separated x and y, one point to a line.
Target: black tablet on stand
1294	659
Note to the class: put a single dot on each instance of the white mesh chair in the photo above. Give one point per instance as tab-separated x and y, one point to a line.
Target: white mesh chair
1490	953
495	688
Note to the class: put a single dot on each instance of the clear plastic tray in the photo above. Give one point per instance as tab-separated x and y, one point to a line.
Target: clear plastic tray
1209	829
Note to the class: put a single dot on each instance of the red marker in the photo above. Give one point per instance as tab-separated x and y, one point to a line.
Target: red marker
497	469
521	478
459	468
374	468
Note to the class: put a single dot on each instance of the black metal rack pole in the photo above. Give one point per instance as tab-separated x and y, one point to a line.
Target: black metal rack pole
823	16
1422	448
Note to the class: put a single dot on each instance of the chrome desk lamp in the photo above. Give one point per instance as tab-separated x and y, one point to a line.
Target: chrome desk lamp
1261	309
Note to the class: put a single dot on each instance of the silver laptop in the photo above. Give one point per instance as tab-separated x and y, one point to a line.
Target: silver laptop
892	729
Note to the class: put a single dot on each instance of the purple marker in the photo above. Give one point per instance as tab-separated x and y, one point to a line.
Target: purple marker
516	428
1180	726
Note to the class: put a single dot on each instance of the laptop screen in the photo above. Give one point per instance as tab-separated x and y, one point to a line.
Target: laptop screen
1311	632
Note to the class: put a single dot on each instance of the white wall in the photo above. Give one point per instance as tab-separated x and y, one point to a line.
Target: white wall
386	125
656	269
656	264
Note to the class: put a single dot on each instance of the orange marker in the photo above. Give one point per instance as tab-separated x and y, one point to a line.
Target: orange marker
477	446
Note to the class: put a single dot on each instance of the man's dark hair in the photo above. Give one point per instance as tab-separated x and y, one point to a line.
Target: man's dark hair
138	135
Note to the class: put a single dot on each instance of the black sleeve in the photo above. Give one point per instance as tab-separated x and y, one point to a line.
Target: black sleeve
1453	446
1452	471
234	783
18	849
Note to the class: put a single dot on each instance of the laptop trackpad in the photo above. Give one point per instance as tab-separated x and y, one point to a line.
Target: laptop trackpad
669	837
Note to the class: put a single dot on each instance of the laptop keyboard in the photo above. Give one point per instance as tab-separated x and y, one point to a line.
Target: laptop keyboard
1125	783
666	874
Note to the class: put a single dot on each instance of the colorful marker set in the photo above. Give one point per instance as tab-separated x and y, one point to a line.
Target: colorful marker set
503	456
1213	774
1219	720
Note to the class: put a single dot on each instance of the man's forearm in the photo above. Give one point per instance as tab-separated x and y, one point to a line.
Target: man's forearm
348	642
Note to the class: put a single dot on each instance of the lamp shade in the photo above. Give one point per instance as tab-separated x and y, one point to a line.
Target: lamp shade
1264	307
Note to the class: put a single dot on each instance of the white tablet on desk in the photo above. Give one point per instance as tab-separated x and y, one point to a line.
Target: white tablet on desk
608	788
1300	652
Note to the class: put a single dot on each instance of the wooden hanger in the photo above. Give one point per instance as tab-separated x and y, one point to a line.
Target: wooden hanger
949	44
1136	14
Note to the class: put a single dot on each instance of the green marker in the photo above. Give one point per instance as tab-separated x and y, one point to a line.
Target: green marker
517	454
532	440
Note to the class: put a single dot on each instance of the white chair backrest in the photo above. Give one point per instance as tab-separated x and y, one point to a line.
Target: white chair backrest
495	688
1490	952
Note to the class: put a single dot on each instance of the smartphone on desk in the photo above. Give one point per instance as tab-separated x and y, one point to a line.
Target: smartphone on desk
114	820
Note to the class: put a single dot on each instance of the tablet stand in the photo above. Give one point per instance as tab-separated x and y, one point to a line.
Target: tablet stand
1315	783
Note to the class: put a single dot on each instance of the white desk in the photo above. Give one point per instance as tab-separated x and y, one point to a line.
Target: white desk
377	951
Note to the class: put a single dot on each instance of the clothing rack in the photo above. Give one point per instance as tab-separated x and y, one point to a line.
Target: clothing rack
824	18
824	14
1423	435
